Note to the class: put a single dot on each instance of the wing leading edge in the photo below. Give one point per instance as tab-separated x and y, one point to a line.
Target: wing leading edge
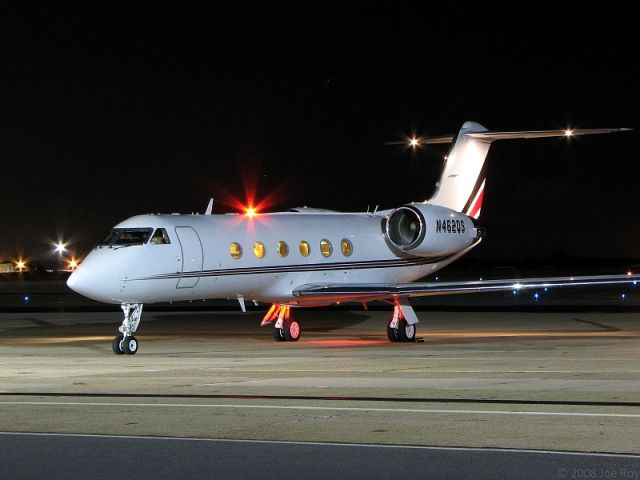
364	291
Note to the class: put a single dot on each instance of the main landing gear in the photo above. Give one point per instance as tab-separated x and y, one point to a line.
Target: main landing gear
398	328
125	342
285	327
401	326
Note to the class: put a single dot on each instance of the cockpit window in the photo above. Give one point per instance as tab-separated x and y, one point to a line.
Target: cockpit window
127	236
160	237
109	238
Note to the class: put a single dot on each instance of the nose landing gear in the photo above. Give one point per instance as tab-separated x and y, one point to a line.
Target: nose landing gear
126	342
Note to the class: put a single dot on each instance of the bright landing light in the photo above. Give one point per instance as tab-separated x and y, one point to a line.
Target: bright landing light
568	133
414	142
60	247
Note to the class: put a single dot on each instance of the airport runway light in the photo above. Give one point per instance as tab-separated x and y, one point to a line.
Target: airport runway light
21	265
73	264
414	142
60	248
568	132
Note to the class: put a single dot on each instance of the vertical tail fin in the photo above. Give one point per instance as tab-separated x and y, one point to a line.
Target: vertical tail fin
462	182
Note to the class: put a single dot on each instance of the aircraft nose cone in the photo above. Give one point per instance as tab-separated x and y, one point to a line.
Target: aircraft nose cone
80	281
94	279
73	281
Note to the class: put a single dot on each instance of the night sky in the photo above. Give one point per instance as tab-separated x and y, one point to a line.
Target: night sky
114	112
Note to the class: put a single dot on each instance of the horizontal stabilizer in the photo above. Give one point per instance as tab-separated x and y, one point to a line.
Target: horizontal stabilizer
462	182
492	136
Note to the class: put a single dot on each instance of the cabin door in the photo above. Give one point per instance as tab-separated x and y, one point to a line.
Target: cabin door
191	257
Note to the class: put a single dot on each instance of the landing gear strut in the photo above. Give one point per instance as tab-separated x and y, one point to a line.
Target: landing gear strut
398	328
125	342
285	327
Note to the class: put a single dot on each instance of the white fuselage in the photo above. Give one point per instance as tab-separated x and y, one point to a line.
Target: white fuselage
197	263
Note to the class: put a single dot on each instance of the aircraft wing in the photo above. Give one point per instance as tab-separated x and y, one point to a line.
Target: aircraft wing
378	291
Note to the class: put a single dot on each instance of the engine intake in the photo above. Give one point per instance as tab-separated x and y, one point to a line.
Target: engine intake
430	230
405	227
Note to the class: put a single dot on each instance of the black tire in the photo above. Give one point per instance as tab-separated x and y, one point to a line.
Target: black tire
278	334
130	345
406	332
392	333
292	330
117	345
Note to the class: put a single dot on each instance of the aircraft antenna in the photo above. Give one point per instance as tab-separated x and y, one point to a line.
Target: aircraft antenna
209	207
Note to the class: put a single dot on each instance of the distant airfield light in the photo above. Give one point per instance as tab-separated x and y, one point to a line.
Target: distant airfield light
414	142
60	248
629	273
536	295
21	265
623	296
517	286
26	298
568	132
73	264
515	292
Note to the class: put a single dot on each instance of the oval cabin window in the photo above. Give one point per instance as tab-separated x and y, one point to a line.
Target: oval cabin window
304	249
325	248
283	249
235	250
346	247
259	250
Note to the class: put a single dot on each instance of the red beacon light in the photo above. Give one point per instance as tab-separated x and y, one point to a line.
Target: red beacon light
250	212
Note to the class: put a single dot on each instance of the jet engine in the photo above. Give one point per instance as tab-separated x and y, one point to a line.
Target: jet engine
430	230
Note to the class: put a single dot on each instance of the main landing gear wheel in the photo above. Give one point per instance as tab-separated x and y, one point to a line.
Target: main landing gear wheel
278	334
285	327
290	331
392	333
406	332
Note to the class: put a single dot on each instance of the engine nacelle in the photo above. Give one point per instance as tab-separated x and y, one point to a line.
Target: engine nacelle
430	230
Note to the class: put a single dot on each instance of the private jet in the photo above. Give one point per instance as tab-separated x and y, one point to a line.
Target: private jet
308	257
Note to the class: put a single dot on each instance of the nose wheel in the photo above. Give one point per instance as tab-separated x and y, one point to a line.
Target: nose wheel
122	345
125	342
